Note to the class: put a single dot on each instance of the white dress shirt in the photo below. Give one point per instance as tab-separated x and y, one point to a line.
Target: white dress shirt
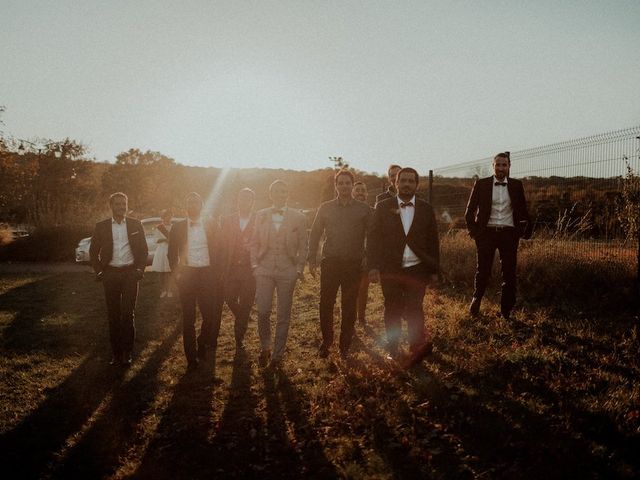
278	218
244	222
409	258
122	254
501	210
197	246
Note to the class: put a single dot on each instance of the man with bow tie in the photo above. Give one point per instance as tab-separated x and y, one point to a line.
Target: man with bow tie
497	217
278	250
403	253
195	258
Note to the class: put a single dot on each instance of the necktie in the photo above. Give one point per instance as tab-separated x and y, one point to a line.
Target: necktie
500	184
406	204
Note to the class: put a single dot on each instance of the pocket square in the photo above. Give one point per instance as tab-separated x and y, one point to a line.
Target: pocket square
134	233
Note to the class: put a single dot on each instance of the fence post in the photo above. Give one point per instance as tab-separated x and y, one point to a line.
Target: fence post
431	198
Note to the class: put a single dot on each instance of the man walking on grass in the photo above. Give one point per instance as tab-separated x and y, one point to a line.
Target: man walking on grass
118	255
194	257
497	217
403	253
278	253
345	221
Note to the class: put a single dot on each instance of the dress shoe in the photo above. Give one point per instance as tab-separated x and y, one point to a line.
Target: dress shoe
115	360
263	359
324	351
474	307
506	314
418	354
392	355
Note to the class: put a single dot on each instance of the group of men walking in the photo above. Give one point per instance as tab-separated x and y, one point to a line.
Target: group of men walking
249	256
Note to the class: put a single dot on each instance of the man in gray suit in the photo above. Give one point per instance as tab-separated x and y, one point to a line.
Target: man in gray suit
278	253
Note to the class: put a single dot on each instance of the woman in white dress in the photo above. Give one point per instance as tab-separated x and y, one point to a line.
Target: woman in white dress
160	261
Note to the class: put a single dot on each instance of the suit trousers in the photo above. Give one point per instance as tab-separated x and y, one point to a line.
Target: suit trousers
506	242
403	296
363	297
199	286
343	274
240	293
283	282
121	293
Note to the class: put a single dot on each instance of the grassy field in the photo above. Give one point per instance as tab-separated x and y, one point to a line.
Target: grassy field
549	395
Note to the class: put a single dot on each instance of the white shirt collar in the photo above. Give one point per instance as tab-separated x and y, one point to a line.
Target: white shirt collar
413	200
124	221
501	181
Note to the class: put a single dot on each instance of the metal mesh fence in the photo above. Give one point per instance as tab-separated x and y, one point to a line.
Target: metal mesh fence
583	195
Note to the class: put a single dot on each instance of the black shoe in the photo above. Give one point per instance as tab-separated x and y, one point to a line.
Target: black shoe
115	360
506	314
393	355
418	355
324	351
126	359
263	359
474	308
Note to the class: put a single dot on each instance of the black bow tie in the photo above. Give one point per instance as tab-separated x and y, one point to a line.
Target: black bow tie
500	184
406	204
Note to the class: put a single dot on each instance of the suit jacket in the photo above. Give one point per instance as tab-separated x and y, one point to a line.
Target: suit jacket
178	243
232	235
479	207
386	240
384	195
295	230
101	249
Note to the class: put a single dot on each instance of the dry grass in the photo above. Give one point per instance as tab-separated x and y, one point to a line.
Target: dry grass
534	398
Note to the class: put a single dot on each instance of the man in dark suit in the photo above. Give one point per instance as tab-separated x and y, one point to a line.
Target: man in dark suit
118	255
496	218
240	284
390	192
403	253
194	257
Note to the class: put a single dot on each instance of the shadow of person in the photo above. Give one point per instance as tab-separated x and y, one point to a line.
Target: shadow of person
181	446
293	444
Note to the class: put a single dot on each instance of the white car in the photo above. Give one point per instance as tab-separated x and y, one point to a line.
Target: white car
149	225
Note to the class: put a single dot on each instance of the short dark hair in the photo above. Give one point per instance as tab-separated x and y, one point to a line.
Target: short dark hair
118	194
348	173
410	170
506	155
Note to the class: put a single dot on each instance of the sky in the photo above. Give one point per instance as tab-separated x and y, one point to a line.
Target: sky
288	84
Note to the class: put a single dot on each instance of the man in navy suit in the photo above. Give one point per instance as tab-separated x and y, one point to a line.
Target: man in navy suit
496	218
118	255
403	253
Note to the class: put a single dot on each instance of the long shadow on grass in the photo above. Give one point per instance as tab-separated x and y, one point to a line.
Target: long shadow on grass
69	405
97	454
509	437
292	445
181	446
44	314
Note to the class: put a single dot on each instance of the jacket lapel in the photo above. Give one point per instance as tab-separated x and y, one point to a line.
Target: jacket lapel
394	211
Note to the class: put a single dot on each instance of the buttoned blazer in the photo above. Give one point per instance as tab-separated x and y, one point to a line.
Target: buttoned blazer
101	248
294	228
387	240
478	208
231	235
178	243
